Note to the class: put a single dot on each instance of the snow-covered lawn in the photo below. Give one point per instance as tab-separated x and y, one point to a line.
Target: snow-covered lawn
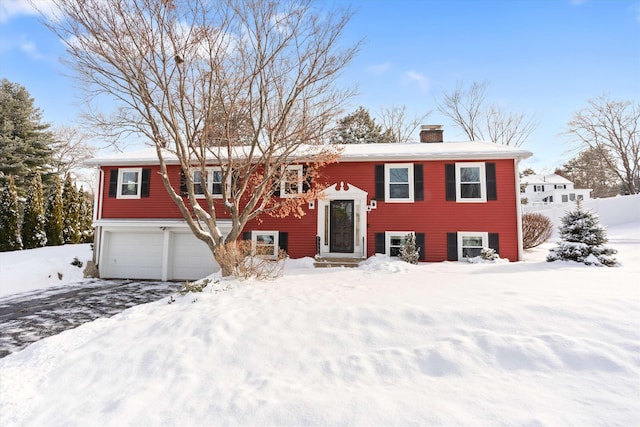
22	271
531	343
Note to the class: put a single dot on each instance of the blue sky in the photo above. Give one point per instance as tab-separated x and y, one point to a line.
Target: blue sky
542	57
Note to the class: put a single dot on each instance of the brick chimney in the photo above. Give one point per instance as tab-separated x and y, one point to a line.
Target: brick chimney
431	133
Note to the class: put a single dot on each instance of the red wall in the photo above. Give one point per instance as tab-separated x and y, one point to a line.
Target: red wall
434	216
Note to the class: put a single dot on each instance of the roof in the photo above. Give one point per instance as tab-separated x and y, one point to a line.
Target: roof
474	150
545	179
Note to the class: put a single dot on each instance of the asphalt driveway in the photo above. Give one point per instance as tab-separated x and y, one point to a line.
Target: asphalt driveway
29	317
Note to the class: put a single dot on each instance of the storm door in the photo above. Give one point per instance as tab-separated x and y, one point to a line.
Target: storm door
342	226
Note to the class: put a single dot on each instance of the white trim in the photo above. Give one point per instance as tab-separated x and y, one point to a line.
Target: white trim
482	182
209	171
516	167
121	172
461	234
389	234
254	242
387	182
343	191
283	183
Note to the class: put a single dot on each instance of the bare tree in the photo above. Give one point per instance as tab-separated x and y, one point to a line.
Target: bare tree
398	121
466	108
248	85
588	170
612	129
70	149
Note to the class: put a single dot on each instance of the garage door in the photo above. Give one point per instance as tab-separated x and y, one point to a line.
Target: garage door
190	258
133	255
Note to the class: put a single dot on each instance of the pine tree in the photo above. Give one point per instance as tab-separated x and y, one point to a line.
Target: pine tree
24	140
54	222
409	252
70	205
583	239
33	233
10	239
359	128
85	221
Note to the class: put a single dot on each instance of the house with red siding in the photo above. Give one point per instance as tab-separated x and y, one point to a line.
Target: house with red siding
455	197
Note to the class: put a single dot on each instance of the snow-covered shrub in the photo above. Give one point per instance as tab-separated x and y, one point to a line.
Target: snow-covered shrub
76	262
536	229
408	251
583	239
194	287
487	255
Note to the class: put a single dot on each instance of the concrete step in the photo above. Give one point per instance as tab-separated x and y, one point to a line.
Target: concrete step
337	262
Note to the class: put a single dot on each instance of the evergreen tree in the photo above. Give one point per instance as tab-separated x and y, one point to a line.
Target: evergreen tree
70	205
85	221
359	128
33	234
54	222
24	140
583	239
10	239
409	252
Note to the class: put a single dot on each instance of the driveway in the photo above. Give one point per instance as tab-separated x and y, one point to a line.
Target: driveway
29	317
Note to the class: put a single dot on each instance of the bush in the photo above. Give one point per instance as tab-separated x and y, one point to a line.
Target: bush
247	264
489	254
194	286
536	229
409	252
76	262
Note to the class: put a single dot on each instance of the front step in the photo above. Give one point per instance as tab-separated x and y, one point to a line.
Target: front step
336	262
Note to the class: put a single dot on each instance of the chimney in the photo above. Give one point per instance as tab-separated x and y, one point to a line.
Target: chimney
431	133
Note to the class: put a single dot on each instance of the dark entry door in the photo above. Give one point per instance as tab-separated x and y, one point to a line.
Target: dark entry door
341	226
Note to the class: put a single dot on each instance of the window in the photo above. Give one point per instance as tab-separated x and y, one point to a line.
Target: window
291	184
580	197
470	182
565	198
572	197
265	243
560	186
470	244
212	179
399	182
129	183
538	188
394	241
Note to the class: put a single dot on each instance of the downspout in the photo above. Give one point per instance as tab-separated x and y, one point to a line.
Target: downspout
516	163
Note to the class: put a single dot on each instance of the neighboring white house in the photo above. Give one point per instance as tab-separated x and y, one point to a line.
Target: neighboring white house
550	189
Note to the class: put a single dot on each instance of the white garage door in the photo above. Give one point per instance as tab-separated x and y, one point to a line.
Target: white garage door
133	255
190	258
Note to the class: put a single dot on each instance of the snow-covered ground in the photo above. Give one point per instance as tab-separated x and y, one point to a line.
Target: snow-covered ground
530	343
22	271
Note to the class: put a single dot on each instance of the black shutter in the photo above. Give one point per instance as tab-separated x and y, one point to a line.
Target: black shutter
146	177
418	182
246	235
380	183
183	184
450	180
452	246
283	241
113	183
420	246
494	242
306	179
380	246
490	172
